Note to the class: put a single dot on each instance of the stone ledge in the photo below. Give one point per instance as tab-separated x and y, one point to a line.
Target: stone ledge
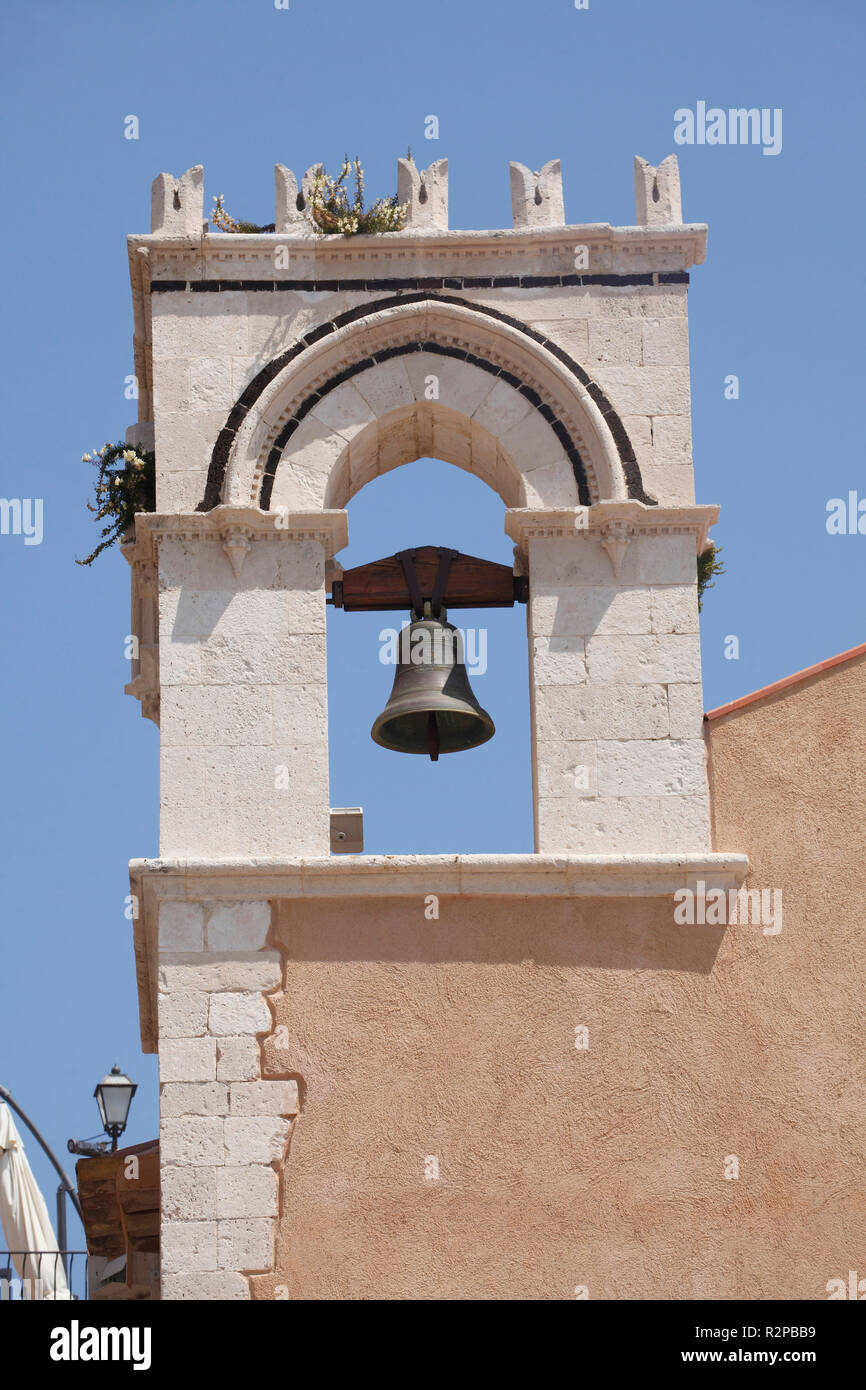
690	238
154	881
397	875
618	520
233	525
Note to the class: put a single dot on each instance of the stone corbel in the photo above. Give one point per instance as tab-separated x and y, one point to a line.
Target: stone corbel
616	537
236	545
615	524
238	527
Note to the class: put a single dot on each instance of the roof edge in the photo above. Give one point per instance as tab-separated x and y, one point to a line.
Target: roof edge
797	678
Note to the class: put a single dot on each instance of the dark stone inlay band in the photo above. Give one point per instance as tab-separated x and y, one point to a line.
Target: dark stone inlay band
402	350
425	282
251	393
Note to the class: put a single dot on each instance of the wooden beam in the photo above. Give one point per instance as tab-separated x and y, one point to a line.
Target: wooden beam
471	583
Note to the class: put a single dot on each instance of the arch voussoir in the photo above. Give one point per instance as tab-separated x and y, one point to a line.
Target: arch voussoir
507	403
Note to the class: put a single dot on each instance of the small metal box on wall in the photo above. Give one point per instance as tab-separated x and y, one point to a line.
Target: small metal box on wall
347	830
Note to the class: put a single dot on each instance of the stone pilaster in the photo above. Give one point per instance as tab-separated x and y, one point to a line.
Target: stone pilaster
242	678
615	678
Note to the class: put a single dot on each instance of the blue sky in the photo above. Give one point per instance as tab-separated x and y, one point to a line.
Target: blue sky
237	85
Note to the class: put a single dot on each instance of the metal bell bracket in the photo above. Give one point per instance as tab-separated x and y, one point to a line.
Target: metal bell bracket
422	608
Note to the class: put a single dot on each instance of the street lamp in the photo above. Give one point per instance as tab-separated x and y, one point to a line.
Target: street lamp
114	1096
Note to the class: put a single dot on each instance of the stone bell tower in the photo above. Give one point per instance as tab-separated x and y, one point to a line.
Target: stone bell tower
309	1144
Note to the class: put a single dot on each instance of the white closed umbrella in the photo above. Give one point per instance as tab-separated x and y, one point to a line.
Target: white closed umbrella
30	1237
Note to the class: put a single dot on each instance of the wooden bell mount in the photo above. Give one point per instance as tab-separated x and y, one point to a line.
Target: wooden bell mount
428	574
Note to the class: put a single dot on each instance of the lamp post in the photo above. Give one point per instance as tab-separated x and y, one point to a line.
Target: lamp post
113	1097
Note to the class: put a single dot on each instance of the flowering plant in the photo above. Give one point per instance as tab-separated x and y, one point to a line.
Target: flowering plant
125	484
332	211
330	208
227	223
709	565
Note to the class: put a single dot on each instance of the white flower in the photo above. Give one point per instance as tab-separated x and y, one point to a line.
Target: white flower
85	458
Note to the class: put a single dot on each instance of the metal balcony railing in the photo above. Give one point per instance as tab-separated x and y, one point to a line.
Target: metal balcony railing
41	1274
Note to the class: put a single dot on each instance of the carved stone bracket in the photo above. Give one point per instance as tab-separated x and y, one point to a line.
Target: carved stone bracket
616	536
237	547
614	524
238	528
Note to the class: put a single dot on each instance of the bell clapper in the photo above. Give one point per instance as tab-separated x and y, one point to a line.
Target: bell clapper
432	737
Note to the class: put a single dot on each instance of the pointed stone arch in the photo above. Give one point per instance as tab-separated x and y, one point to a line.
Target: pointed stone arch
413	374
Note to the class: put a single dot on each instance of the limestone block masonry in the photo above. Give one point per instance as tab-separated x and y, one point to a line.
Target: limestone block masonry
278	373
224	1132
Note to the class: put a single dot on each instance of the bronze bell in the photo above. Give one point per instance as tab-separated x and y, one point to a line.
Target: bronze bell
432	708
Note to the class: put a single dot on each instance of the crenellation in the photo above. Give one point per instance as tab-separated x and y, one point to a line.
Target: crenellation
425	191
536	196
177	204
291	202
658	201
